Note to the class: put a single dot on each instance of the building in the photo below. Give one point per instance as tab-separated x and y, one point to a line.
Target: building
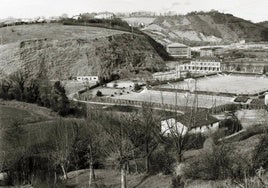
105	15
201	65
256	67
211	51
179	50
169	75
206	52
192	123
87	78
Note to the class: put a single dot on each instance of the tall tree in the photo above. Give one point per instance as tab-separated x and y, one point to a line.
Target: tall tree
117	144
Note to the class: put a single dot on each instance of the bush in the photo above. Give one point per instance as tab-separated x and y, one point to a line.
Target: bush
99	93
137	87
221	162
261	153
162	161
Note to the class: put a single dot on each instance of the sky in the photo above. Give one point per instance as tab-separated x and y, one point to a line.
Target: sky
254	10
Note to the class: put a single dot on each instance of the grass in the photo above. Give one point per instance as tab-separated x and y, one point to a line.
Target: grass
52	31
111	179
9	115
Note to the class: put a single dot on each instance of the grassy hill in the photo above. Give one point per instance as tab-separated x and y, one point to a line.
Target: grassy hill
205	28
58	51
264	24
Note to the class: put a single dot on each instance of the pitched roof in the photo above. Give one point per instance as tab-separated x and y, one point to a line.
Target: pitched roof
195	119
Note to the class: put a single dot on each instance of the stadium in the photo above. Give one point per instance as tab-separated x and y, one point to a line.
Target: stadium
232	84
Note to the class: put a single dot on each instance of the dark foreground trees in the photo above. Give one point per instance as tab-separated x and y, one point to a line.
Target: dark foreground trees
42	92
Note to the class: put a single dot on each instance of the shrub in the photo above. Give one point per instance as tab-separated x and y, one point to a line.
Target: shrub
261	153
137	87
99	93
220	163
162	161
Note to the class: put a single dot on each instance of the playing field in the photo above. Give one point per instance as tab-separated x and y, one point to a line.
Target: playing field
235	84
183	99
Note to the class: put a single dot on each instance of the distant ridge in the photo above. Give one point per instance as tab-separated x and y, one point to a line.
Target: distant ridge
201	28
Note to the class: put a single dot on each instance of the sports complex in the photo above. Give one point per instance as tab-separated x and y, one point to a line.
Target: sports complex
203	92
233	84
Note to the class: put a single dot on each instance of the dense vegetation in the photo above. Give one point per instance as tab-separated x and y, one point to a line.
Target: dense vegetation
42	92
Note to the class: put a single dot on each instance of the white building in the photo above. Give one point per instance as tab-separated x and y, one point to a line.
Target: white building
266	98
202	65
179	50
105	15
87	78
197	123
206	52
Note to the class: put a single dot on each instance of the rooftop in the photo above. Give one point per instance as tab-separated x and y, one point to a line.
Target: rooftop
207	58
196	119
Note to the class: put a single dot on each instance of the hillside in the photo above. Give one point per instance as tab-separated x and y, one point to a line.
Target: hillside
264	24
201	28
58	51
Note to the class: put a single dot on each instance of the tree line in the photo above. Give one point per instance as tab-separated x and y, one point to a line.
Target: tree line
39	91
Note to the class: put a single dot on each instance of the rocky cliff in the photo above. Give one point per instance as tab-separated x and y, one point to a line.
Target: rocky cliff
200	28
120	53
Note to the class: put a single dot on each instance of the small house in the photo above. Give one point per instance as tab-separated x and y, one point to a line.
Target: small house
87	79
179	50
105	15
192	123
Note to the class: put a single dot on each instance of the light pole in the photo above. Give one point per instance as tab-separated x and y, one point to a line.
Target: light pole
131	29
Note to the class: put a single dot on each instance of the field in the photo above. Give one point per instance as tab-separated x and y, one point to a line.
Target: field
234	84
111	179
52	31
183	99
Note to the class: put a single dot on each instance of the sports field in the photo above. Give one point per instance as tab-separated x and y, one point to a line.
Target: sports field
236	84
183	99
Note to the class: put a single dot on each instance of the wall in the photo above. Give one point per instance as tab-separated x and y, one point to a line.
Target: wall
169	125
207	129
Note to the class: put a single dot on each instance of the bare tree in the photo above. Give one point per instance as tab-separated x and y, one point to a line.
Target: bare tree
62	139
117	144
178	133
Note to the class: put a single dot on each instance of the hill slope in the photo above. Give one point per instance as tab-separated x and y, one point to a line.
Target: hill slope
264	24
203	28
58	52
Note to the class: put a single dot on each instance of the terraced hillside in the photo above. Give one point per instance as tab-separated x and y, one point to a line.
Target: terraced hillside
205	28
58	51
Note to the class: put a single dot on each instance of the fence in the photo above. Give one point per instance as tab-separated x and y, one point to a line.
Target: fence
213	110
136	103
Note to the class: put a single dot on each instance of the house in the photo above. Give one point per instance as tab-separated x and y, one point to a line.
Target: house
202	65
179	50
105	15
87	78
192	123
211	51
